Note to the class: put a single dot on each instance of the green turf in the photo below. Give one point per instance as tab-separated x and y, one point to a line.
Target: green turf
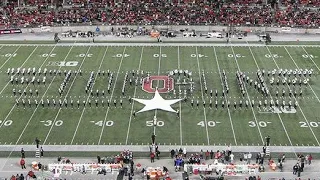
116	125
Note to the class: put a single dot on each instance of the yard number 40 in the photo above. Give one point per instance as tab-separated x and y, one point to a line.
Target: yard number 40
5	123
210	124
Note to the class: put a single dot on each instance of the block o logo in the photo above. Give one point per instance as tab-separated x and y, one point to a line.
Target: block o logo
168	84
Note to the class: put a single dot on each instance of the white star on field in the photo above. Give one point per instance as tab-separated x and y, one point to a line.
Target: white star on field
157	102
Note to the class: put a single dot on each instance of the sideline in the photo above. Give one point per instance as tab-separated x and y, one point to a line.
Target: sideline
145	148
175	44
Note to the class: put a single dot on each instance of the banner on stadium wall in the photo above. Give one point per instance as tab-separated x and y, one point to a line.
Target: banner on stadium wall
286	29
88	167
10	31
229	170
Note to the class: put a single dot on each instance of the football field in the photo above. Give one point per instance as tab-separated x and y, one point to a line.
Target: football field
125	72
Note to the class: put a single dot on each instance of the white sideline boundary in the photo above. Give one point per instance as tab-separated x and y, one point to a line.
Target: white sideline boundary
146	44
145	148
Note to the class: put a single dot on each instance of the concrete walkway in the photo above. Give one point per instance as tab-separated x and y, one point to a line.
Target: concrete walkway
47	36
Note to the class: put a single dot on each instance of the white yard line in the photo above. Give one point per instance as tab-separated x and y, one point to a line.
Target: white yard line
65	97
114	86
84	108
311	58
134	94
159	65
19	97
180	118
25	127
10	56
41	98
254	115
299	68
20	66
204	109
281	121
225	97
296	101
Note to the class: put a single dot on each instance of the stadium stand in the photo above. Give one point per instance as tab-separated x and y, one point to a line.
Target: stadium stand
303	17
308	3
34	13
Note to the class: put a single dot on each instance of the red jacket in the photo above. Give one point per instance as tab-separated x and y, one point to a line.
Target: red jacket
207	153
22	162
31	173
152	155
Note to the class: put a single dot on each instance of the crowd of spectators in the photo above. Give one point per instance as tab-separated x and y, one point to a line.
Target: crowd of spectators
181	157
308	3
33	13
29	175
303	17
125	156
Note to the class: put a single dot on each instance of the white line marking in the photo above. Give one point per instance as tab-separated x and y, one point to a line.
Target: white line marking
180	118
65	97
9	57
20	67
254	115
115	82
25	127
225	97
159	65
96	76
296	101
299	68
281	121
134	94
204	109
5	119
310	58
41	98
167	44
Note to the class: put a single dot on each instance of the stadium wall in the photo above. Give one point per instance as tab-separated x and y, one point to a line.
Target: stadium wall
105	28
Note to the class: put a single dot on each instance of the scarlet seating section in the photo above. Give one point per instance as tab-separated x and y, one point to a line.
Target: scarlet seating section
158	12
303	17
245	15
310	3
